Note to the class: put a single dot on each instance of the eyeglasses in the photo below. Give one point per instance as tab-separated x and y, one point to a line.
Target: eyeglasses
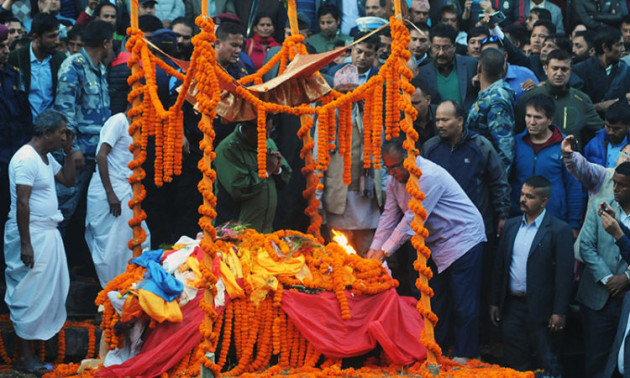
624	155
441	48
394	167
492	39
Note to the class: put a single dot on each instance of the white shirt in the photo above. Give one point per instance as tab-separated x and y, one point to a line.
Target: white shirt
28	168
115	133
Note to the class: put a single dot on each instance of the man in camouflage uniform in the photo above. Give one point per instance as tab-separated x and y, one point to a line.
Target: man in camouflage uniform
82	96
492	114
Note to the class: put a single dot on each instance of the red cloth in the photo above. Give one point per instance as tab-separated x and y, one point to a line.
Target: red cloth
385	318
164	346
255	50
83	19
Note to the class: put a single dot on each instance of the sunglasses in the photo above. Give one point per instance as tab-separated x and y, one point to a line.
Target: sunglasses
492	39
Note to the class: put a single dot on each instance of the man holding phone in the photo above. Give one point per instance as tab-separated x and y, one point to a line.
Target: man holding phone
606	278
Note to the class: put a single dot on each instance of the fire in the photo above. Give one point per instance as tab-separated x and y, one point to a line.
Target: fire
342	240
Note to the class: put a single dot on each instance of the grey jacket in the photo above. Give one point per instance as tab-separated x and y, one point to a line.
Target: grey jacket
601	256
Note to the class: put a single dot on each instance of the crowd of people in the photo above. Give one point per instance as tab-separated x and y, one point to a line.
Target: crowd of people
523	123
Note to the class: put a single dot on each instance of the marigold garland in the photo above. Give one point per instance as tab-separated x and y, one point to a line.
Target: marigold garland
263	331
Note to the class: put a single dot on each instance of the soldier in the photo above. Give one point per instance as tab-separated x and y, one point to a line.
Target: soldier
492	115
15	120
82	96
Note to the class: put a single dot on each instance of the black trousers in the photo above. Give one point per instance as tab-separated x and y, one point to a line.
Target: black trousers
529	345
600	328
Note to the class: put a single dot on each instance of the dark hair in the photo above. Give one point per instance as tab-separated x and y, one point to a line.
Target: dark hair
228	28
542	13
449	8
460	112
492	62
97	32
623	168
558	54
420	25
588	36
11	18
517	33
607	36
24	41
260	16
328	9
542	103
101	5
394	145
76	31
43	23
541	184
184	21
551	28
619	112
48	120
149	23
373	40
419	83
386	32
476	31
562	42
444	31
626	20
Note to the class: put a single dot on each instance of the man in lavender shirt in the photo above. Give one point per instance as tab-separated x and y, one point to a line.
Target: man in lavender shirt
456	239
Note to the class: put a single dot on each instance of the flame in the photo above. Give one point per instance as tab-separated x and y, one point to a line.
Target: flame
342	240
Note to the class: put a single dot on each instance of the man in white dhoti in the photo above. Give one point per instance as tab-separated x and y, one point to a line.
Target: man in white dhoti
107	230
37	272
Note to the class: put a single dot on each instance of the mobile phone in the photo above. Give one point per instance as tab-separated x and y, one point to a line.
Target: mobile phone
497	17
604	207
574	144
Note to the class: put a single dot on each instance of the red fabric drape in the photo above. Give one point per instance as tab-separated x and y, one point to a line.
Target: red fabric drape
165	345
385	318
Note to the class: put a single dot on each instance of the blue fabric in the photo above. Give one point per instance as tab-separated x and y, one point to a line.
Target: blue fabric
41	92
613	153
16	127
157	280
144	259
595	151
515	76
161	283
624	243
565	202
456	302
520	253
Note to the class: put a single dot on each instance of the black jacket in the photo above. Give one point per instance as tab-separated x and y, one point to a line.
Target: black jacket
476	166
549	268
21	59
16	127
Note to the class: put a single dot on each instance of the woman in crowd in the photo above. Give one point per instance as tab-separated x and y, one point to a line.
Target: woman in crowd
262	40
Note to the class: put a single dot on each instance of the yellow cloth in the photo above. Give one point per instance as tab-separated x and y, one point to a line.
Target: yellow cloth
231	270
229	280
264	264
159	309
